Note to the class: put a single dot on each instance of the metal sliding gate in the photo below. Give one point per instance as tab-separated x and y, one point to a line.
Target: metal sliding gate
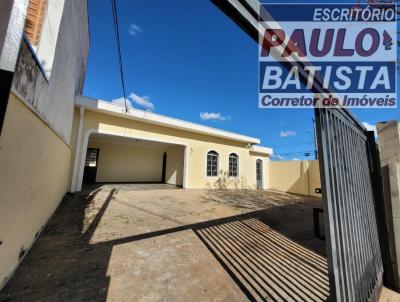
355	223
347	155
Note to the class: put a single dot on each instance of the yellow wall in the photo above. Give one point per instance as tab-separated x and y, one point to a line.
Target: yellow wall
314	177
174	168
34	167
127	163
297	176
198	146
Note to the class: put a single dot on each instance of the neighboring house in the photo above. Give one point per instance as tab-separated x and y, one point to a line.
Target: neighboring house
53	140
35	141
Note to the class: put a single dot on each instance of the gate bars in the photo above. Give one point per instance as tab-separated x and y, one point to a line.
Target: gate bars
351	192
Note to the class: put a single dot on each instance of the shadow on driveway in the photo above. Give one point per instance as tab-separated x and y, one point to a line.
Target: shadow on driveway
270	253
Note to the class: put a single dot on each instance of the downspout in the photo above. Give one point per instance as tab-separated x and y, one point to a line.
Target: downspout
77	148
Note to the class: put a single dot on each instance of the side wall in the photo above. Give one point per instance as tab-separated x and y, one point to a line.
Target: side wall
174	169
389	145
34	165
389	142
127	163
298	176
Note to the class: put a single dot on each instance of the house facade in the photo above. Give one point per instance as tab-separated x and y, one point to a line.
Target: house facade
132	145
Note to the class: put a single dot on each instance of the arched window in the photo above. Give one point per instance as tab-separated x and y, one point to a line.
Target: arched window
233	165
212	163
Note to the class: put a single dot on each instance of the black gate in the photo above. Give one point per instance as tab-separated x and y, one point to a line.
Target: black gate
351	195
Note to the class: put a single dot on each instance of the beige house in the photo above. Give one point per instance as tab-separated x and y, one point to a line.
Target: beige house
112	143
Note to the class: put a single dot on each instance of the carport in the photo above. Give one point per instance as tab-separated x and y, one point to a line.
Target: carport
113	158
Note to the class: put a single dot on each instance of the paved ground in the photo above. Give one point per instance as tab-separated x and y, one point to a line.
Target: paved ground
160	243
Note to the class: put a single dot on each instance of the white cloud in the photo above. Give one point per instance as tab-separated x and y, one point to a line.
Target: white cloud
214	116
294	158
280	157
135	30
143	101
370	127
287	133
121	102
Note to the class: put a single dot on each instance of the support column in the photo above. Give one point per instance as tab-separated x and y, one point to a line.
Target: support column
77	149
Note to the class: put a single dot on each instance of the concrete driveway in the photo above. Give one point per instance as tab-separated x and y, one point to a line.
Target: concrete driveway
154	242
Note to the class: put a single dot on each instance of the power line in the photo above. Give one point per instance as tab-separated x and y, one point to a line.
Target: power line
293	153
121	68
293	145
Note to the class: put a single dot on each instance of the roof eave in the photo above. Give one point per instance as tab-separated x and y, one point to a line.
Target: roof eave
262	150
157	119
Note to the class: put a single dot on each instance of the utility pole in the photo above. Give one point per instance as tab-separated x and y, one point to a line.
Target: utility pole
315	140
313	136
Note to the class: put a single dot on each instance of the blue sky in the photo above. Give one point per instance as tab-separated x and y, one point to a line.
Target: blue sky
183	58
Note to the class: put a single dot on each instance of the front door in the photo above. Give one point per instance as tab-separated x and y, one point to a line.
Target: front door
259	174
91	162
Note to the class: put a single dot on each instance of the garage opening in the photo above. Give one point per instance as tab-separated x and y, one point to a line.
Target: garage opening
118	159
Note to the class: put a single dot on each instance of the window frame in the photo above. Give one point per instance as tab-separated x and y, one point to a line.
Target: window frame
51	39
233	155
218	163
